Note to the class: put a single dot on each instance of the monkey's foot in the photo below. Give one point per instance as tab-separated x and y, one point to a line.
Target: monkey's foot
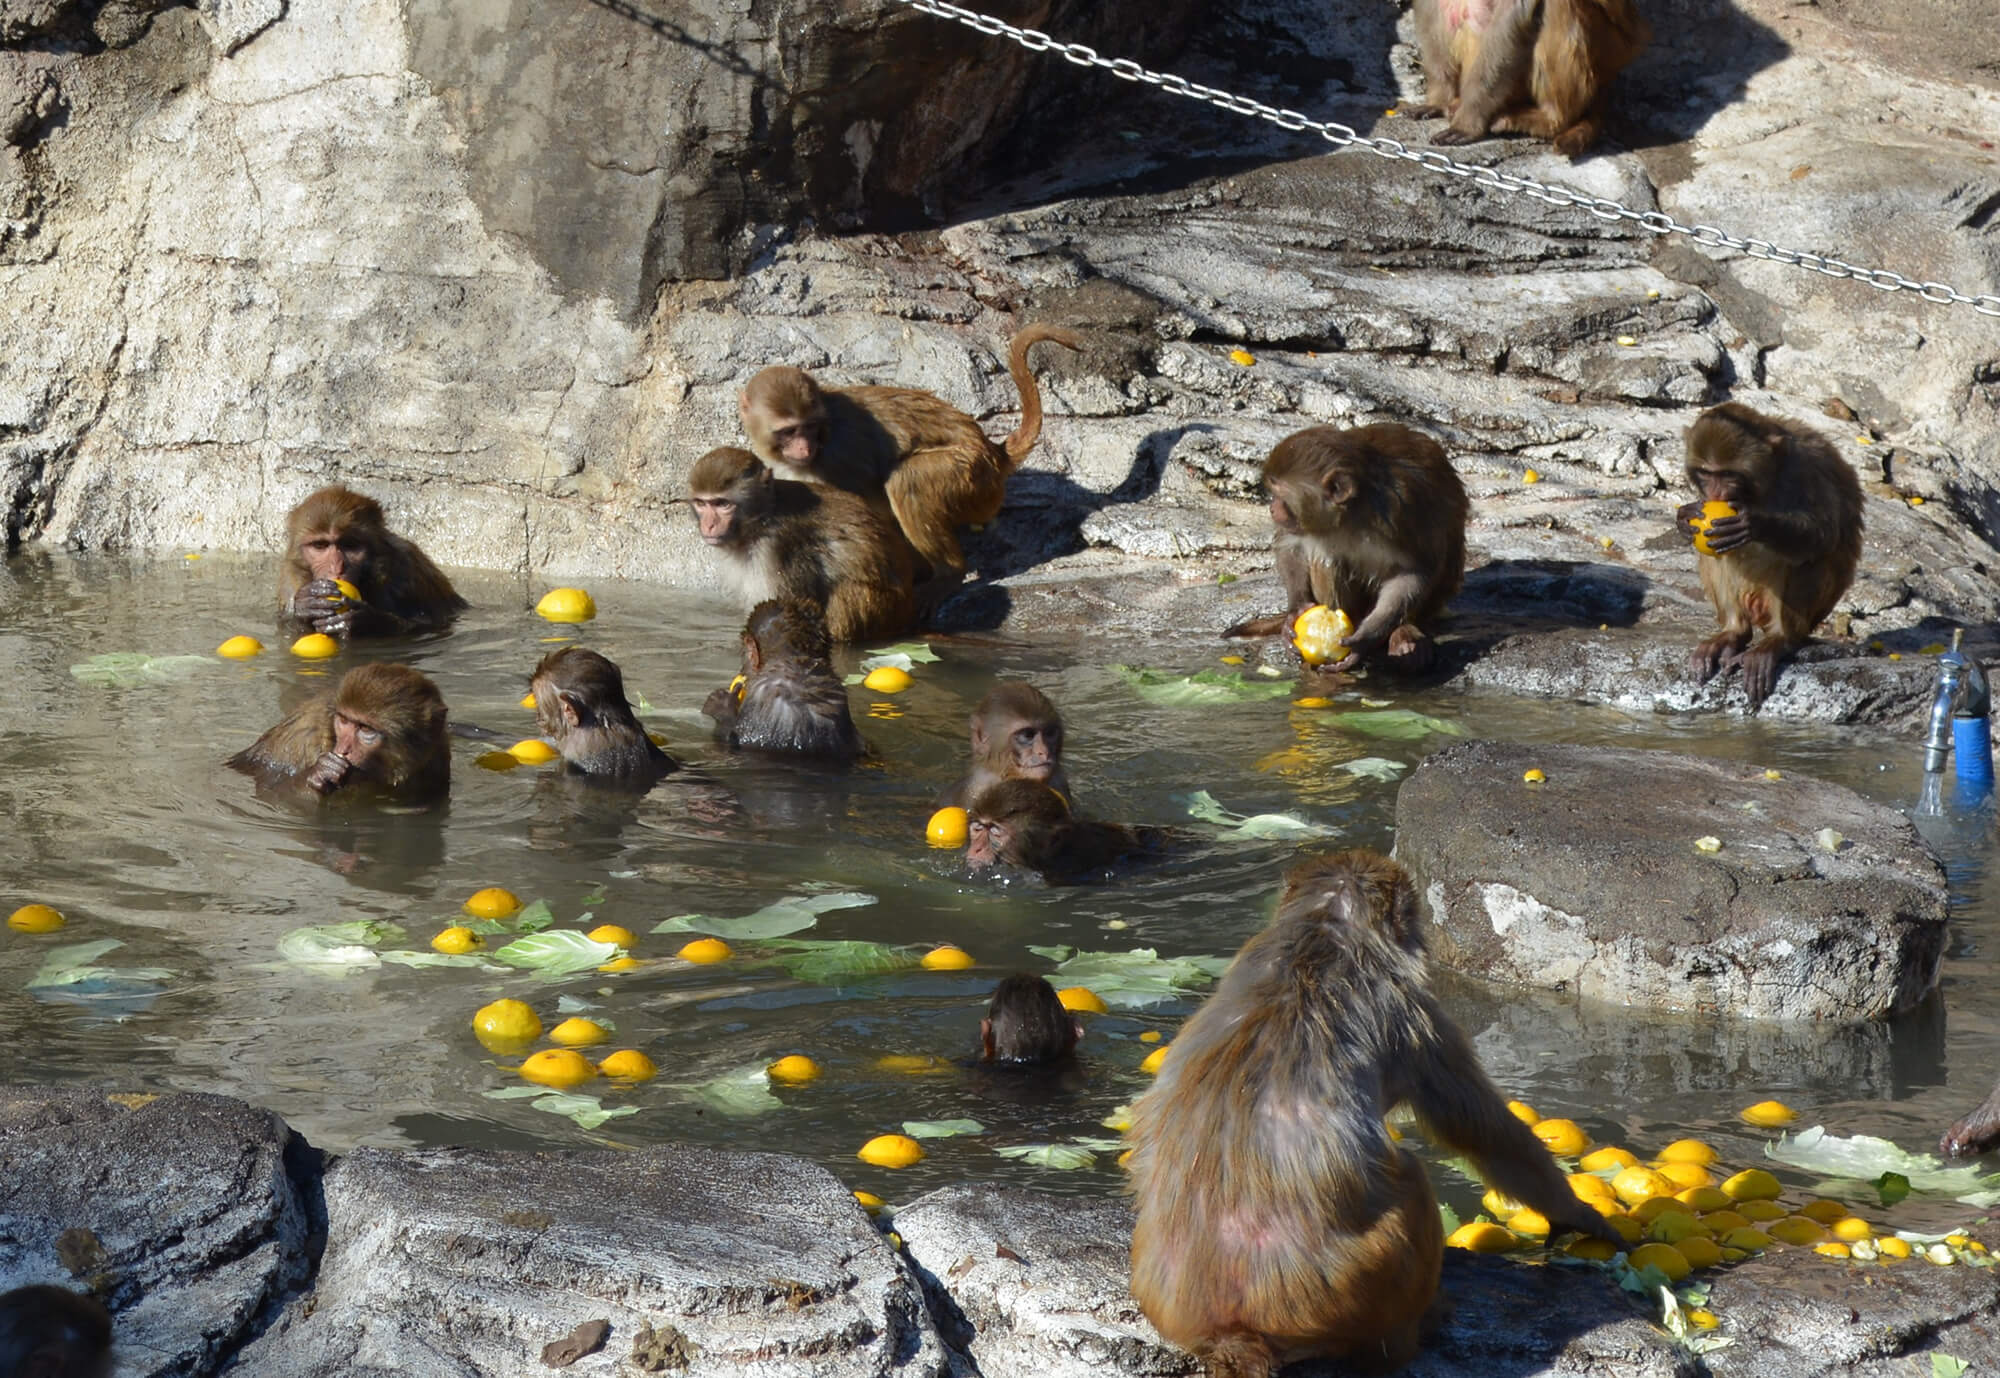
1424	112
1450	137
1575	141
1410	651
1760	672
1717	653
1260	626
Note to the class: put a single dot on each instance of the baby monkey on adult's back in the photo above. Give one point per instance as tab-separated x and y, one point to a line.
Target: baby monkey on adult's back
1370	521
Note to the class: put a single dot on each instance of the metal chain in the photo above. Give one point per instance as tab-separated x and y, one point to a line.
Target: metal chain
1657	222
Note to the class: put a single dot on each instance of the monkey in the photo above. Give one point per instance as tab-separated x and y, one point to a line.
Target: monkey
777	538
1537	67
1026	1024
1017	734
1370	521
937	469
52	1332
580	706
1789	553
1277	1218
1025	823
1976	1132
790	700
383	732
338	533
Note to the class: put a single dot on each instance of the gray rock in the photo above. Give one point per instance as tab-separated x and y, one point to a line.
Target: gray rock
181	1212
1592	883
451	1264
232	23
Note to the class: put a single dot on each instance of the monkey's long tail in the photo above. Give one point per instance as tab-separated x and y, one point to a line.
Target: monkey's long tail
1029	431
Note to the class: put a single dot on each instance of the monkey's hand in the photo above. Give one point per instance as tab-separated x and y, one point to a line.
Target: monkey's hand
323	607
721	704
329	773
1261	626
1684	519
1727	533
1976	1133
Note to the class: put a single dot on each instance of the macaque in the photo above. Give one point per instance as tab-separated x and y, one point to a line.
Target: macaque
52	1332
1370	521
1024	823
1782	562
1537	67
781	539
580	706
338	533
937	469
1976	1132
1026	1024
382	732
1017	734
1277	1218
789	700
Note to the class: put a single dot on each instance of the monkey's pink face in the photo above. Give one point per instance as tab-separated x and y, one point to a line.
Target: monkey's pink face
1036	748
1722	485
795	442
1282	515
986	842
356	740
716	517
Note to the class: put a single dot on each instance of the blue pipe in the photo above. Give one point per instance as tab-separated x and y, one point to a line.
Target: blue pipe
1972	748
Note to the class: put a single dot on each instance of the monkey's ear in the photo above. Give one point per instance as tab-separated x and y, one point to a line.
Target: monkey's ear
986	1037
1339	487
573	706
753	659
978	734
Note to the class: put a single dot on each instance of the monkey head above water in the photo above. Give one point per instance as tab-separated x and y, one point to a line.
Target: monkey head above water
339	536
1277	1218
382	732
1017	734
1025	824
580	706
1026	1024
788	700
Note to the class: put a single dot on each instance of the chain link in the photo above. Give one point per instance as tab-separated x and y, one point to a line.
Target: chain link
1341	136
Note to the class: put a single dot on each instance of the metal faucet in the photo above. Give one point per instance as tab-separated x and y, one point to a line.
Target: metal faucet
1962	692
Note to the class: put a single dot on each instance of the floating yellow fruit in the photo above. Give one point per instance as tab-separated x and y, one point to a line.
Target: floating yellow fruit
35	918
870	1202
1688	1151
507	1021
240	648
1769	1114
578	1032
492	903
616	934
1155	1060
527	700
457	940
1703	1199
1825	1210
1523	1112
1851	1228
1607	1159
533	752
795	1069
1529	1223
947	958
1534	777
1499	1204
1710	511
1591	1187
949	827
1665	1257
628	1064
1686	1174
1150	1036
1892	1247
566	605
496	761
914	1064
891	1150
348	591
1564	1137
1635	1184
1796	1229
1083	1000
1625	1227
558	1067
704	951
620	964
1700	1252
1321	633
1761	1212
1833	1248
1483	1237
1312	701
315	646
887	679
1596	1250
1752	1184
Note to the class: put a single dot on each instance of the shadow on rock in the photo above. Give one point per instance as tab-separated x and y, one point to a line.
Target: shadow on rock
1703	56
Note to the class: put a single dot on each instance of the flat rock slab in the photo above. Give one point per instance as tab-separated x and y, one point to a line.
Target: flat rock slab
1592	883
178	1211
461	1263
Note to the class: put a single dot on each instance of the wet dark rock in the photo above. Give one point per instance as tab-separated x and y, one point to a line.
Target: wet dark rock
1592	883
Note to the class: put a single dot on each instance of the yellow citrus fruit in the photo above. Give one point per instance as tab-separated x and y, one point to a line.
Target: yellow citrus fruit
1761	1212
1596	1250
1499	1204
1825	1210
947	958
1892	1247
887	679
870	1202
1565	1137
1710	511
1653	1207
628	1064
1530	1223
1665	1257
614	934
1626	1228
1796	1229
566	605
558	1067
1312	701
1483	1237
1722	1222
620	964
495	760
35	918
240	648
1150	1036
1523	1112
1769	1114
533	752
703	951
1083	1000
1530	476
1700	1252
315	646
1833	1248
1155	1060
1590	1187
1851	1228
578	1032
1635	1184
947	828
1608	1159
891	1150
1703	1199
492	903
1686	1174
1752	1184
1688	1151
347	590
1321	634
913	1064
1534	777
797	1069
527	700
457	940
1671	1227
507	1021
1747	1238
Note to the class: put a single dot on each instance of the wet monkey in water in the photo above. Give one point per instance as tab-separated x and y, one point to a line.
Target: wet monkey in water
1277	1218
1017	734
580	706
383	732
788	699
776	538
339	534
52	1332
1024	823
932	462
1538	67
1782	560
1370	521
1026	1024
